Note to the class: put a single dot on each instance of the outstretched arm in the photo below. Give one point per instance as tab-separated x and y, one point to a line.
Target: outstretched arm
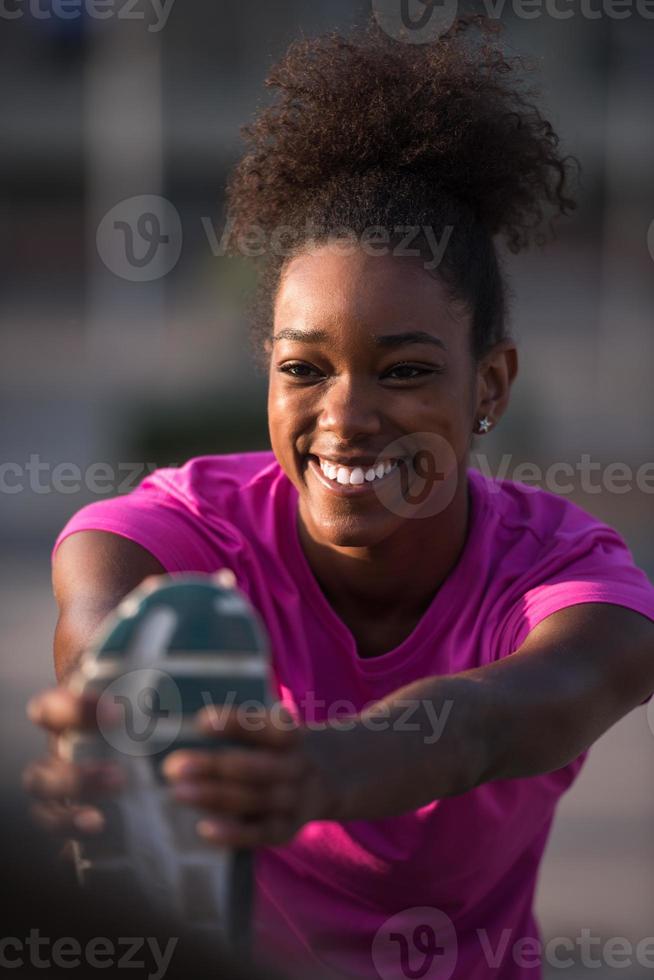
580	671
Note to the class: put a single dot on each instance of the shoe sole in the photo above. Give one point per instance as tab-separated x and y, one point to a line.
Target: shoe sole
164	654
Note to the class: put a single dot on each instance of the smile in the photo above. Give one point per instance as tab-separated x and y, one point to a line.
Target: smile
348	480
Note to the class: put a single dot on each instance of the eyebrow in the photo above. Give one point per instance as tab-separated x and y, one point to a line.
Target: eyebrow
387	341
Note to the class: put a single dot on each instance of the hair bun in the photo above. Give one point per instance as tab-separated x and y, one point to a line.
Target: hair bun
452	114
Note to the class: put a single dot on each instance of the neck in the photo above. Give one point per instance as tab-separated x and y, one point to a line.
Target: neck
400	574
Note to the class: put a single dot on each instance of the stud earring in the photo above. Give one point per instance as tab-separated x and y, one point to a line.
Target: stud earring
483	425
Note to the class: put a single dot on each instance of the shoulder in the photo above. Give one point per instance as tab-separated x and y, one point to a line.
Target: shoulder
539	553
214	481
527	523
195	516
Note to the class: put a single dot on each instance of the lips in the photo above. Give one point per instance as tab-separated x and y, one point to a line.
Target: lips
350	480
355	475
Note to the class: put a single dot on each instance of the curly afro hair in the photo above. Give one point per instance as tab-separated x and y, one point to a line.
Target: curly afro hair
369	132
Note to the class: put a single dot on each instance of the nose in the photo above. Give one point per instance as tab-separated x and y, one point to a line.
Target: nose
349	409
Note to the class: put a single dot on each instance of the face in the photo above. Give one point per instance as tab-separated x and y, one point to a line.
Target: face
346	387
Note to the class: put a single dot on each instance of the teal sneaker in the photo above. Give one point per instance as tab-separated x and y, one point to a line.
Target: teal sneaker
165	653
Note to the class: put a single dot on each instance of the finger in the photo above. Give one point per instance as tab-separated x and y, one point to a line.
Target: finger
271	727
254	766
225	578
152	582
268	832
67	820
59	709
238	799
55	779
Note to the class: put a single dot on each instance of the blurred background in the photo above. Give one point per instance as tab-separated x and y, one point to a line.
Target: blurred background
110	367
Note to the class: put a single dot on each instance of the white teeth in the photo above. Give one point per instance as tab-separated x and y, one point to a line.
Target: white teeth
355	476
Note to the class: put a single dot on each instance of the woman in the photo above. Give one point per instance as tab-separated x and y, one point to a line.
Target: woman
448	646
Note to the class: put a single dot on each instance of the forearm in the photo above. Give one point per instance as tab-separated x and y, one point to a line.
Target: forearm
443	736
421	743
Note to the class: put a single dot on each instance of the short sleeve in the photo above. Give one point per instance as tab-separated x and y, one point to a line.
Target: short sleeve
169	531
600	570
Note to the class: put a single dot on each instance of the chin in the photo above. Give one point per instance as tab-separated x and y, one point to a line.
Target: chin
353	532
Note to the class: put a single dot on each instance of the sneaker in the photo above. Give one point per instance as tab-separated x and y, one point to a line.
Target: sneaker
165	653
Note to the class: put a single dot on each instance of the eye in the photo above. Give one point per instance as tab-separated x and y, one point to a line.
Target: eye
296	369
419	371
301	371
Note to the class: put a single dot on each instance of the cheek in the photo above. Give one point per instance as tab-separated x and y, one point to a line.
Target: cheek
436	409
445	412
285	419
282	404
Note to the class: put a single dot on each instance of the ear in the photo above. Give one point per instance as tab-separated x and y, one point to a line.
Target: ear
495	374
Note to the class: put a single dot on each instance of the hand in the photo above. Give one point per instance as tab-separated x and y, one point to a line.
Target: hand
260	794
53	781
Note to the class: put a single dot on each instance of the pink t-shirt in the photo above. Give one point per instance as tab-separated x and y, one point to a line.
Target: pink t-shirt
445	891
